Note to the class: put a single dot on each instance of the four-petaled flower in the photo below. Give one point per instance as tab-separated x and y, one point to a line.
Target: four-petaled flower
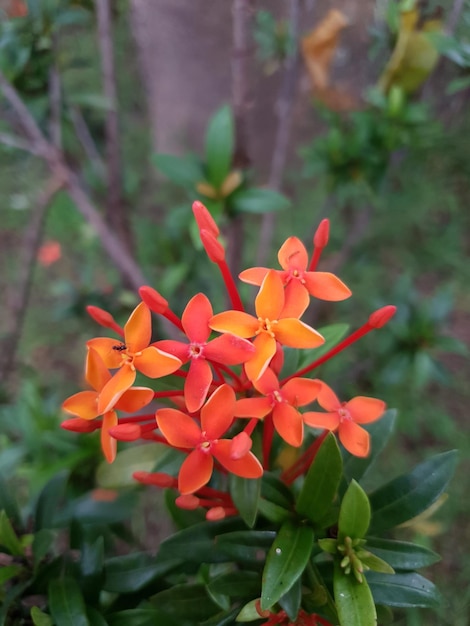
133	354
226	349
274	322
205	441
300	283
283	402
85	404
345	417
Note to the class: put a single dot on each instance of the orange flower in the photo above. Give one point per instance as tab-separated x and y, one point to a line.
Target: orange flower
274	322
345	417
300	283
85	404
283	402
226	349
133	354
182	431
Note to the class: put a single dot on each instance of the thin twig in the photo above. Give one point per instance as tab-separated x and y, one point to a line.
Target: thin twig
55	100
55	160
20	144
284	108
86	140
18	303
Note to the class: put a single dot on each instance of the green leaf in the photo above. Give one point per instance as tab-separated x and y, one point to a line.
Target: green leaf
290	601
374	562
333	334
199	543
272	512
9	504
286	561
39	618
240	584
354	514
274	490
257	200
183	171
249	612
245	494
404	590
222	619
8	538
48	501
9	571
95	618
409	495
91	566
66	603
131	572
380	432
401	555
321	482
42	544
119	473
354	601
246	547
140	617
186	604
219	145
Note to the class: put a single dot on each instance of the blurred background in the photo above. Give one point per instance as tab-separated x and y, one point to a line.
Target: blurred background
115	116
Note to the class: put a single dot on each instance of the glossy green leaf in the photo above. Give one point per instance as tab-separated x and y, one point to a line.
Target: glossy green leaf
403	589
8	538
199	543
272	512
374	562
258	200
119	473
66	603
219	145
222	619
131	572
286	561
8	572
9	504
274	490
183	171
245	494
239	584
186	604
95	618
91	566
246	547
354	601
42	544
40	618
249	612
354	513
290	601
380	433
402	555
48	501
409	495
140	617
322	481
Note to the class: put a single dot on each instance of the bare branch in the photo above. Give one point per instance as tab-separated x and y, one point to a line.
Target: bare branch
86	140
55	100
284	108
21	144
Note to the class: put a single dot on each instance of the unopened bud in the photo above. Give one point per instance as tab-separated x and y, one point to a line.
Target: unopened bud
241	445
380	317
322	234
102	317
126	432
153	300
189	502
155	478
79	425
214	249
204	219
215	514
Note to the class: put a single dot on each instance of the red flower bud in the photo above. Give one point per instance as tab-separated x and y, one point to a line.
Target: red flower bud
322	234
214	249
102	317
153	300
189	502
215	514
155	478
380	317
79	425
204	219
126	432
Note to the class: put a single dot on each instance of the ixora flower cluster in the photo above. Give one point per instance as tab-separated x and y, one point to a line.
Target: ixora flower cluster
230	369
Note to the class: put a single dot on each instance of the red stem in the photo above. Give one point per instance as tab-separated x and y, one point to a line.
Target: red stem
304	462
268	434
231	286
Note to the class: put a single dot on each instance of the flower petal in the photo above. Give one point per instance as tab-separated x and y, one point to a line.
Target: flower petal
154	363
253	407
179	349
96	371
265	346
355	439
84	404
246	466
326	286
138	328
315	419
235	322
179	429
114	389
253	275
270	299
296	299
327	398
104	346
267	383
195	471
108	443
229	350
197	384
217	414
301	391
289	424
295	334
134	399
364	410
195	318
293	254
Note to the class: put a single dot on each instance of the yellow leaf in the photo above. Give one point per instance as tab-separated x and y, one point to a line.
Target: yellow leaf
207	190
234	179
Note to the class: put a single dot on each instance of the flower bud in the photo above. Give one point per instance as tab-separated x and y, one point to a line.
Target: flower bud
102	317
126	432
380	317
79	425
153	300
215	514
322	234
155	478
214	249
204	219
189	502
